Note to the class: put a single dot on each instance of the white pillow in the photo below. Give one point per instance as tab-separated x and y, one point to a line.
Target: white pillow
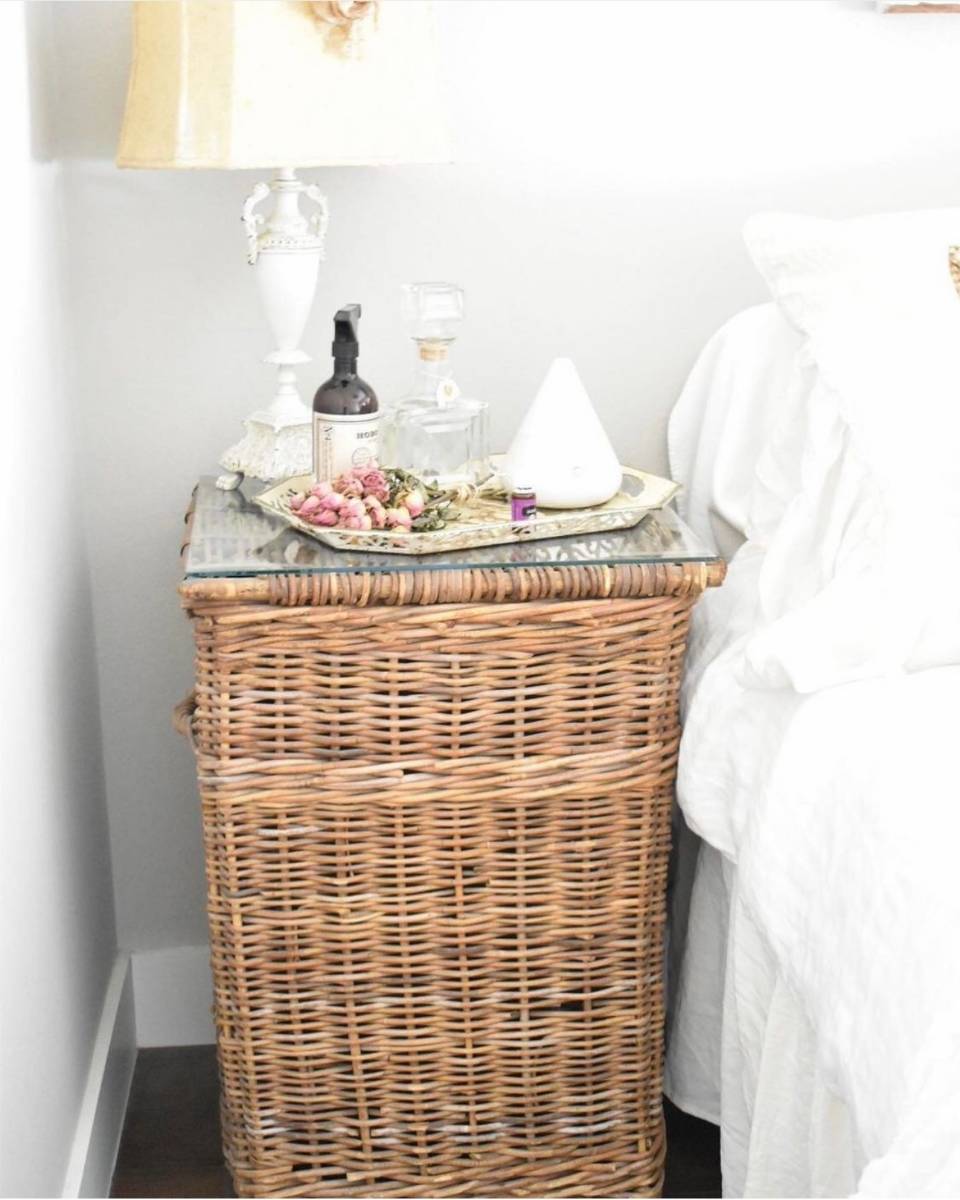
877	302
862	575
743	383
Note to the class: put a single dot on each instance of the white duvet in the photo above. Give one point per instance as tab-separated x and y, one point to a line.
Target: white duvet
835	804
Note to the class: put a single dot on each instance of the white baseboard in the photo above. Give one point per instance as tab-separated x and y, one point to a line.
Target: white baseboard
93	1154
154	998
173	989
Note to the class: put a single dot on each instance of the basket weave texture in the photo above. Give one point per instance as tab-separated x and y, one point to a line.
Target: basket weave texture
436	841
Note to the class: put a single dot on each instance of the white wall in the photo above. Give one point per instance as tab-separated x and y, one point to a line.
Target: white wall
56	911
608	154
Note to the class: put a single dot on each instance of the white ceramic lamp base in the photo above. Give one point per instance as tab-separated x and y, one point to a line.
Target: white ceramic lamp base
285	250
268	450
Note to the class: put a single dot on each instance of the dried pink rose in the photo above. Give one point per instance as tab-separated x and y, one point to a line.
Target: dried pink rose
374	480
326	516
321	489
378	516
334	500
353	507
414	502
398	518
296	500
309	505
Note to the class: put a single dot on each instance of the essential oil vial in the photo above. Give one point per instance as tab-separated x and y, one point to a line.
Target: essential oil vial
523	504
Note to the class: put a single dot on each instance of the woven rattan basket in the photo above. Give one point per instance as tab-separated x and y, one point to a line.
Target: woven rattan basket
436	811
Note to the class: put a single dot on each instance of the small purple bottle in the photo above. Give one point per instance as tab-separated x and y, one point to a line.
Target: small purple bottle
523	504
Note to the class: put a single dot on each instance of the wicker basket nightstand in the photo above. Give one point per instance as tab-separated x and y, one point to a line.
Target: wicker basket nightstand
436	807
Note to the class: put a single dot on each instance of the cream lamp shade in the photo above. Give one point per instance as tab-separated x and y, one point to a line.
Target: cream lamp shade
241	83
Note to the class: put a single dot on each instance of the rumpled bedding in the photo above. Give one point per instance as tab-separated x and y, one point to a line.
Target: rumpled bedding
819	760
867	467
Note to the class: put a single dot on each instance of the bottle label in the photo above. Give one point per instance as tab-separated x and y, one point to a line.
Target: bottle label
340	443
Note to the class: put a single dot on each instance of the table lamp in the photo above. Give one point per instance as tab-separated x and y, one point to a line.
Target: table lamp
282	85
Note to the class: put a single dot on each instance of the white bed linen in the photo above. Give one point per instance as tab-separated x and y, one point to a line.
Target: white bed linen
746	376
880	316
842	970
743	1054
837	814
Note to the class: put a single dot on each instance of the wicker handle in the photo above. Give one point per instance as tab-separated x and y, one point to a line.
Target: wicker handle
183	715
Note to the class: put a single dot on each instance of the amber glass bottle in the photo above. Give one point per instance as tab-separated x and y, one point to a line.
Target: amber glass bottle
346	414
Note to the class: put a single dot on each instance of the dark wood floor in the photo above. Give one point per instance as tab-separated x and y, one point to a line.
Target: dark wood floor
171	1139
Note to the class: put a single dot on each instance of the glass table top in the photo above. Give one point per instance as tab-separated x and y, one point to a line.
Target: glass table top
232	536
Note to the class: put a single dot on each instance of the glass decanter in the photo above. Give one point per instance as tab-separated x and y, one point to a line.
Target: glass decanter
433	430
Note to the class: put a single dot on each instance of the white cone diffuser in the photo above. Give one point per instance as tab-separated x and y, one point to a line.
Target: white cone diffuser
561	450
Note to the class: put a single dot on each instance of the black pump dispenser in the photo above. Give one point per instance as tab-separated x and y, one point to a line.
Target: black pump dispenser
345	344
346	414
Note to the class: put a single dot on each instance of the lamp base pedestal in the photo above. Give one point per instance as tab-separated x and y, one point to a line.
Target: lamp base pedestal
267	454
277	444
